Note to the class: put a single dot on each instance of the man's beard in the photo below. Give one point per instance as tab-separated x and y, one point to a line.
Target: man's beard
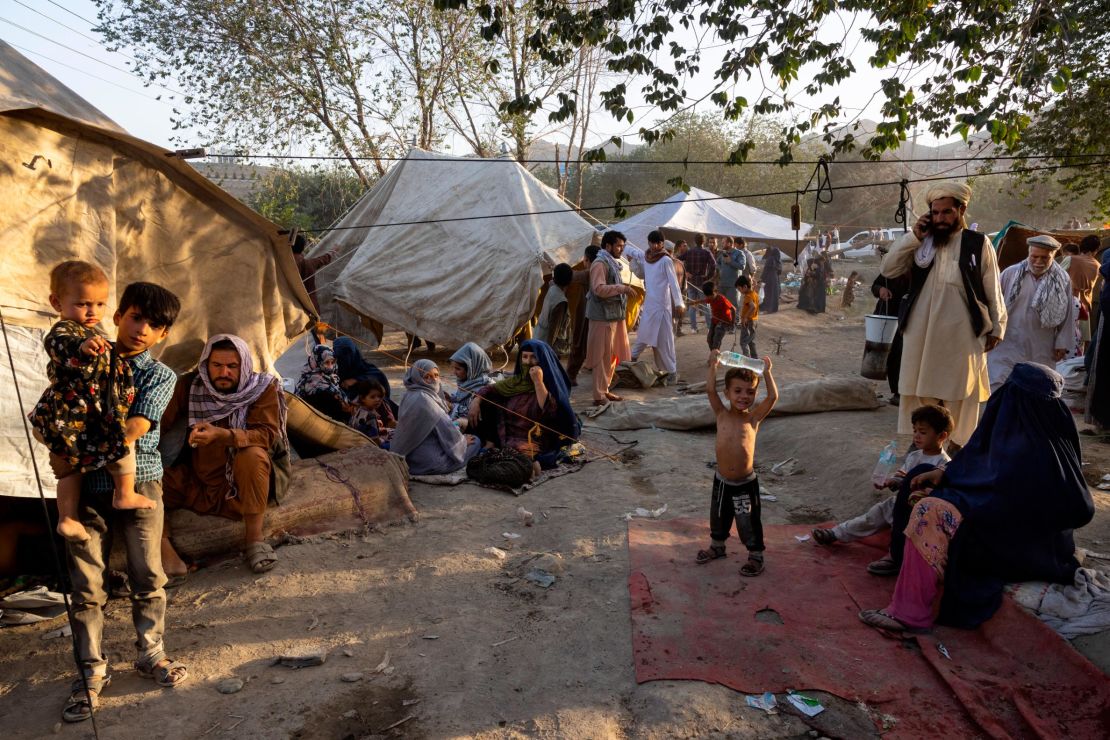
941	234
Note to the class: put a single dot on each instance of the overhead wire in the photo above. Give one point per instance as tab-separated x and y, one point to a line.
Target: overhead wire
90	74
89	56
793	162
83	35
826	189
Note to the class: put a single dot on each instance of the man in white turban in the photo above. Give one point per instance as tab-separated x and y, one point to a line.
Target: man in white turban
1041	312
953	314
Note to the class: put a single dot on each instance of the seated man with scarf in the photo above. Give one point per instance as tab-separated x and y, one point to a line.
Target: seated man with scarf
237	451
531	410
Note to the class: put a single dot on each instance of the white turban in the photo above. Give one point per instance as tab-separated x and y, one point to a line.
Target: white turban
956	190
1044	241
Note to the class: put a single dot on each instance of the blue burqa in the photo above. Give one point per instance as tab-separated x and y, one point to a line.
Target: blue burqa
1020	488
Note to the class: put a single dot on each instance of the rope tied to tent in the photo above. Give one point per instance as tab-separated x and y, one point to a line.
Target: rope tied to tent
900	214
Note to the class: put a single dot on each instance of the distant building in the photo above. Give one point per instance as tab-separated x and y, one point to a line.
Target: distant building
227	171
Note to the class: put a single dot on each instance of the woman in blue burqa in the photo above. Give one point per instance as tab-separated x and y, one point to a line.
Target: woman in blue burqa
425	435
530	411
1003	511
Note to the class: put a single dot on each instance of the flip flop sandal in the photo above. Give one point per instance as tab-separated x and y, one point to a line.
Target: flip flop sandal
824	536
714	552
168	675
260	557
614	397
752	568
887	624
80	705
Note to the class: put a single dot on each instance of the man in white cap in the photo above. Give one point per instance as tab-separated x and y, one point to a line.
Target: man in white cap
952	315
1041	315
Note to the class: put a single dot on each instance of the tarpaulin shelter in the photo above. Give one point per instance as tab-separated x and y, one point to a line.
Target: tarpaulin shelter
74	185
448	248
1010	242
685	215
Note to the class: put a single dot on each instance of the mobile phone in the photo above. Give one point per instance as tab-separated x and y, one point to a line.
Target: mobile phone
928	222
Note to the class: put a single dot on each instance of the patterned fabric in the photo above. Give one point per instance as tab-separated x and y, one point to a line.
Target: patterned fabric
932	526
154	384
372	422
82	415
1051	300
210	405
316	376
700	265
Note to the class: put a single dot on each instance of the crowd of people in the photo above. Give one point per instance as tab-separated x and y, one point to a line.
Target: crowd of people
978	502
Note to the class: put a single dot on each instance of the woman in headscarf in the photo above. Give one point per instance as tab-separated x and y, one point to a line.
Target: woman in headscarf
425	435
771	279
319	384
811	296
352	368
531	408
1003	511
471	366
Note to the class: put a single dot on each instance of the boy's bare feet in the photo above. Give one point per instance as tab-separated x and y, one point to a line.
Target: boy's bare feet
130	500
72	530
824	536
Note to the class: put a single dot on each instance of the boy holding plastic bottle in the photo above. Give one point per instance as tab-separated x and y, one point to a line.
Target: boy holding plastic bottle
736	486
931	427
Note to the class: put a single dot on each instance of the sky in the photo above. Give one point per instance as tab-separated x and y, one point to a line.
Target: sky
57	35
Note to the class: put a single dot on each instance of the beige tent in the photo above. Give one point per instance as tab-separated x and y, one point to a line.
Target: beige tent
432	249
73	185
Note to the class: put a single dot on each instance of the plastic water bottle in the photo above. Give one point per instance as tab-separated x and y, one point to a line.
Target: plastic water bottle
735	359
887	465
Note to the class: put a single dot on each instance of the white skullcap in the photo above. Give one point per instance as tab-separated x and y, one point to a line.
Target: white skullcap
956	190
1044	241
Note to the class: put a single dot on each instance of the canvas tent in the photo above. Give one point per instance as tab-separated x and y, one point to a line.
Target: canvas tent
684	215
432	250
74	185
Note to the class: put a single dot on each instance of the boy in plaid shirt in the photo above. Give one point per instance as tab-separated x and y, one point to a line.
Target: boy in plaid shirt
146	313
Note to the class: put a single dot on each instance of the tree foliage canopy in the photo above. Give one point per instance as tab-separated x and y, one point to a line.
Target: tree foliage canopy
955	66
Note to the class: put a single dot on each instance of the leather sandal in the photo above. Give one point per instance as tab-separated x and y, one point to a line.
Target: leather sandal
81	704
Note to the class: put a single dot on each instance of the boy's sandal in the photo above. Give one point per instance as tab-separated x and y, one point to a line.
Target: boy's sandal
613	397
81	704
753	567
714	552
824	536
260	557
167	675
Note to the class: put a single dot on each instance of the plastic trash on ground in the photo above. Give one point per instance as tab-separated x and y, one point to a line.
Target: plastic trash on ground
807	705
643	513
766	702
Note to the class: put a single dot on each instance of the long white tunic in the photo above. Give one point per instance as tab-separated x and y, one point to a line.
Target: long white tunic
657	316
1026	340
942	359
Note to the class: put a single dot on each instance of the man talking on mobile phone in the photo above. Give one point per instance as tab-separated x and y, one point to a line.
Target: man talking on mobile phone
952	315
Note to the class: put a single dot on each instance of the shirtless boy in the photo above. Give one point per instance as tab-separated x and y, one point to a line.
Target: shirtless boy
736	487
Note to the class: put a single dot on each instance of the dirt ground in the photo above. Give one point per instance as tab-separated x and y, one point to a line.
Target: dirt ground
473	649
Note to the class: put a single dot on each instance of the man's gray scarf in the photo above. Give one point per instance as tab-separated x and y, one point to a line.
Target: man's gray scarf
1052	299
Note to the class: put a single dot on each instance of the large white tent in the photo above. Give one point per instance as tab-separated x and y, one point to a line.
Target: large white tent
684	215
450	249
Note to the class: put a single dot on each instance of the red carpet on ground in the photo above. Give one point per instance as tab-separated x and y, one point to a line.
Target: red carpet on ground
1013	677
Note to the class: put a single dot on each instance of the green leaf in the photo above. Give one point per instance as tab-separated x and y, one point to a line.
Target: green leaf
1059	84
